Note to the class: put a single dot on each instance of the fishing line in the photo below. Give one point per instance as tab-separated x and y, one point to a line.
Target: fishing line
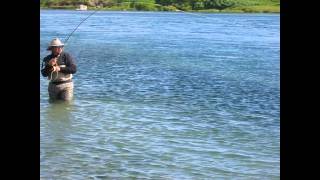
178	10
78	26
65	42
68	37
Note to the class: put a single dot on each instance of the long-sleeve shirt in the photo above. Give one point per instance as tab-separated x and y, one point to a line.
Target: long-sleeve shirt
65	61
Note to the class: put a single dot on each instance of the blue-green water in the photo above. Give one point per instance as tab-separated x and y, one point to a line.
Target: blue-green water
164	96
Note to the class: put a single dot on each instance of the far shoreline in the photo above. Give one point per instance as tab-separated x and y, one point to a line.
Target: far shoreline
211	11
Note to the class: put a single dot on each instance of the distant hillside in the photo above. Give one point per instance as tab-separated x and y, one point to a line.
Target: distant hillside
265	6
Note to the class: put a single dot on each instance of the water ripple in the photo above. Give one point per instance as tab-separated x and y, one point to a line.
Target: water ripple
164	96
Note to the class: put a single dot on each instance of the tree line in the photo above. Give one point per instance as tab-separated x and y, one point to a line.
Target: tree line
197	4
140	5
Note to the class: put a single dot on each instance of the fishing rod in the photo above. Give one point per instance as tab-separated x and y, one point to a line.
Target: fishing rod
68	37
78	26
65	41
178	10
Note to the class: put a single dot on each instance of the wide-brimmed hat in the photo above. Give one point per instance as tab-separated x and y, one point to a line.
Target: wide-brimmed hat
55	43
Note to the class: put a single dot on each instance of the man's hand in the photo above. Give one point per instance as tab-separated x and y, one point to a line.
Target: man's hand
53	62
56	68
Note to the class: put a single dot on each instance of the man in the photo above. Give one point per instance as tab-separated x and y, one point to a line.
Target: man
59	67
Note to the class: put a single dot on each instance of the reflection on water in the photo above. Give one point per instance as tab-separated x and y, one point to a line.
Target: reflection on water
59	110
57	120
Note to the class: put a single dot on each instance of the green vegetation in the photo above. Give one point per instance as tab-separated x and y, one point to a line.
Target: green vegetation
247	6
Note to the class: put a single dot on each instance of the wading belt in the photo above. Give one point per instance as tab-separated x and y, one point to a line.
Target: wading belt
61	82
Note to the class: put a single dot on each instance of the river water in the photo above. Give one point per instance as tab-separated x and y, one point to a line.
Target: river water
162	95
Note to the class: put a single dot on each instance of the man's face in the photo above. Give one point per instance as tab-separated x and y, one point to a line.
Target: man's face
56	50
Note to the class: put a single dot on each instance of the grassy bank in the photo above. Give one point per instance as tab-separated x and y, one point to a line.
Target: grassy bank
208	6
244	9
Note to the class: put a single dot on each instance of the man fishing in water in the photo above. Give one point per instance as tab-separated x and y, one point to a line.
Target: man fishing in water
59	67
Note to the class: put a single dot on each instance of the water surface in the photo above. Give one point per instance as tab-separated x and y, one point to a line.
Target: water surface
164	96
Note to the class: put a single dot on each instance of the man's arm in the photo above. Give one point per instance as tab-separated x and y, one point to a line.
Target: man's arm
46	71
48	67
71	67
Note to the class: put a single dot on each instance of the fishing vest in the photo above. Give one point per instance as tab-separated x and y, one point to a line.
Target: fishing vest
59	76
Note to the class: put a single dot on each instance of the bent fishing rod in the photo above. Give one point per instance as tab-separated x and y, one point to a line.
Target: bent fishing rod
65	42
68	37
